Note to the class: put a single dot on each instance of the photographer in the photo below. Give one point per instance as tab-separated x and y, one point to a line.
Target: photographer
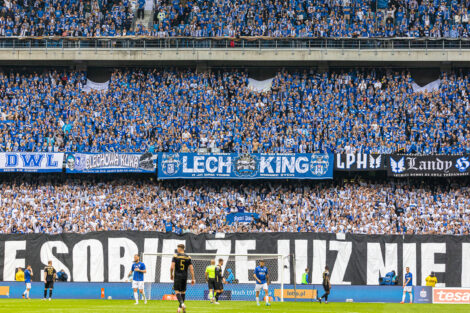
62	276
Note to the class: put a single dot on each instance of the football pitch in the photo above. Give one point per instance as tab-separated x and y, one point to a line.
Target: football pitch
115	306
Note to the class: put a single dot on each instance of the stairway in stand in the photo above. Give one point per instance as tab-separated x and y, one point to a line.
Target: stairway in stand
147	21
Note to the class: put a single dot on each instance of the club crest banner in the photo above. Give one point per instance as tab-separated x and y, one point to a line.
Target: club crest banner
245	166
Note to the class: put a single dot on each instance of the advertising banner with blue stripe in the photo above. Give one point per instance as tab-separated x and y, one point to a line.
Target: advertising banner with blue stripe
111	163
245	166
31	162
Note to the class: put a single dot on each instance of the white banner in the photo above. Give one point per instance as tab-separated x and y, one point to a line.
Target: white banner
432	86
90	85
31	162
260	85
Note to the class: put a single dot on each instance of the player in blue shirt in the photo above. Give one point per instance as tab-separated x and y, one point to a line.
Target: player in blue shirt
137	271
28	273
407	286
262	281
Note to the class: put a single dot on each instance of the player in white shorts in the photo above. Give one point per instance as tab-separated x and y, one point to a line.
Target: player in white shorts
262	281
138	270
407	286
28	273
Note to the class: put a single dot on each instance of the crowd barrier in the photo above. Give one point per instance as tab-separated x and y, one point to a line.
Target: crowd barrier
242	42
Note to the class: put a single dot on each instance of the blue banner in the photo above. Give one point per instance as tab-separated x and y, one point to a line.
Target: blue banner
123	291
382	4
31	162
111	163
245	166
241	218
422	294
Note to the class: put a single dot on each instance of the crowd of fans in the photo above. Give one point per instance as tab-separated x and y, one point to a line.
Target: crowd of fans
229	18
183	111
57	204
313	18
71	18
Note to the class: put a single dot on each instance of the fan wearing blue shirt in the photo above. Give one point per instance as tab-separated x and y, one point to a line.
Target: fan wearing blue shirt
168	226
28	273
407	286
262	281
137	271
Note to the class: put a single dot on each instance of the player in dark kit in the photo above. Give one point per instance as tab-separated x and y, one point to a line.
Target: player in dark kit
326	285
179	273
49	278
219	280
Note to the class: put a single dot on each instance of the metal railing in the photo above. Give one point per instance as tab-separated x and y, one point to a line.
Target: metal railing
232	43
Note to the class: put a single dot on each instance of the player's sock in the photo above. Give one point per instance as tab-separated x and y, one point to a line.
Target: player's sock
27	294
266	298
326	298
180	299
143	295
217	297
183	296
403	298
411	298
45	293
50	293
136	297
211	295
257	300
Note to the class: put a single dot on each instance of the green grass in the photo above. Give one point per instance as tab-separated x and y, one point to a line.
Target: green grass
115	306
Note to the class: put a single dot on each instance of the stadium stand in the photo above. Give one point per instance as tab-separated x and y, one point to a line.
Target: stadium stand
339	128
93	18
313	18
183	111
226	18
56	204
